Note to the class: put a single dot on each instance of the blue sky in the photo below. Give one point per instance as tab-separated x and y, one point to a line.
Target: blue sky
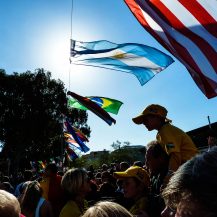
36	34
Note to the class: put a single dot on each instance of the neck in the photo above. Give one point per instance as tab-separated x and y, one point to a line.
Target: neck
160	125
80	202
139	196
79	199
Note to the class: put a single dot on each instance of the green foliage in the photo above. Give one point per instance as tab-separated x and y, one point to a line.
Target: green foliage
116	145
84	162
32	107
126	153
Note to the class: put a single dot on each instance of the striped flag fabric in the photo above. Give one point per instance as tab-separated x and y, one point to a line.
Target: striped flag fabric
188	29
78	133
71	142
70	153
140	60
92	106
108	104
74	140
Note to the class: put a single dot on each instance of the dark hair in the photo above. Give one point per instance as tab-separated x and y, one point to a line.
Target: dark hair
104	166
98	175
157	150
5	179
31	197
196	179
124	165
137	163
52	167
105	175
27	175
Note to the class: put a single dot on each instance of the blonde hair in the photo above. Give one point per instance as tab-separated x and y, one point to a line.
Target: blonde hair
107	209
73	180
9	205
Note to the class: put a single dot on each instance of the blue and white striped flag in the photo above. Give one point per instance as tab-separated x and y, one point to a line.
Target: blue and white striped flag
138	59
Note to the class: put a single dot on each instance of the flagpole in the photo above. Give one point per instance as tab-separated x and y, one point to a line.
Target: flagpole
71	18
70	44
209	122
62	143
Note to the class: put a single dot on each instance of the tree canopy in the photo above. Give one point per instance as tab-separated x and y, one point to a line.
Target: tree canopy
32	106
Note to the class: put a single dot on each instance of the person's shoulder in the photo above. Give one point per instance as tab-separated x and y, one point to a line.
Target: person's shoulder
45	204
169	127
67	210
140	204
46	209
71	204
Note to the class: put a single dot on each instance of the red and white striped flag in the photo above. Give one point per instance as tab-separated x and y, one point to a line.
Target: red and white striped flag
188	29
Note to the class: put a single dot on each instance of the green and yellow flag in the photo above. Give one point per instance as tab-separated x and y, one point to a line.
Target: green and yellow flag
108	104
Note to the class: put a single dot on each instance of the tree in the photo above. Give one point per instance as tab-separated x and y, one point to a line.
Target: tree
126	143
32	107
116	145
125	152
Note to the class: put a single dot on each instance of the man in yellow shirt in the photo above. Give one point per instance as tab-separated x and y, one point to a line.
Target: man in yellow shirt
177	144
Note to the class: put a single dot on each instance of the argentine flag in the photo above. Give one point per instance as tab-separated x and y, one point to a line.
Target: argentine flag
140	60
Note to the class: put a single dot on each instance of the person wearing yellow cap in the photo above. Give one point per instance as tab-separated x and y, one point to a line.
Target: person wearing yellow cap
177	144
136	183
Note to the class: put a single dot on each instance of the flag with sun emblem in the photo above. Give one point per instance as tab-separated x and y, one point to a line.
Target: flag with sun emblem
138	59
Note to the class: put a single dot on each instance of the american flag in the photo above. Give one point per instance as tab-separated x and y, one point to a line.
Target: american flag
188	29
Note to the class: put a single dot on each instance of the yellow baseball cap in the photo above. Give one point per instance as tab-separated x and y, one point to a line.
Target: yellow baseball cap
152	109
134	171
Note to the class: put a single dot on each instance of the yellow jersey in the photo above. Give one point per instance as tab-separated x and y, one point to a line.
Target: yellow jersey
177	144
140	205
71	209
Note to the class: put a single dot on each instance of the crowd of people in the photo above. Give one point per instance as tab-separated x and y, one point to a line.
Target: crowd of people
175	180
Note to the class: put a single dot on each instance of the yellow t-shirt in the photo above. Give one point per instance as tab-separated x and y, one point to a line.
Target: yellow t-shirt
71	209
140	205
177	144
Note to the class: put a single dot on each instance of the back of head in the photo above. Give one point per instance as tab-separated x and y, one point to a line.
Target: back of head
9	205
104	167
105	175
52	167
7	187
31	195
155	149
107	209
124	166
137	163
5	179
27	175
197	179
73	180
